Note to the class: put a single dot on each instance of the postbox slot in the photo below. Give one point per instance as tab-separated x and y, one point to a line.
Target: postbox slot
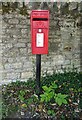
40	19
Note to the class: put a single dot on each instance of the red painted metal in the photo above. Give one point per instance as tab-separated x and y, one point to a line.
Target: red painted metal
39	31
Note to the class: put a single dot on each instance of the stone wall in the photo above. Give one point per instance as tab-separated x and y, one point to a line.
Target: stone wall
18	63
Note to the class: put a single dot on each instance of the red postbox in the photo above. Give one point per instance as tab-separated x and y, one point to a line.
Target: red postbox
39	31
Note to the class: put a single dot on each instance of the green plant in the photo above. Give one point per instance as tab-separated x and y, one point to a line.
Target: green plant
4	110
53	102
21	95
50	95
32	99
60	99
51	112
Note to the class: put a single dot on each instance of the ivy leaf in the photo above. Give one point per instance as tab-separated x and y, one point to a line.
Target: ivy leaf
51	94
64	101
64	96
42	97
22	92
51	112
21	97
30	101
58	101
54	85
45	88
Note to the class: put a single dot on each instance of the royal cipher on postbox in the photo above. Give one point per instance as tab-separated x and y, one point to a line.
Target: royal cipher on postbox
39	31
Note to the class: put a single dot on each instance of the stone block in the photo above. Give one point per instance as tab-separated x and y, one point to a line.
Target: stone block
13	31
11	60
23	51
13	21
8	66
5	81
21	26
8	45
67	62
20	45
27	65
14	66
17	65
1	67
29	51
58	60
80	7
22	22
24	31
11	53
54	46
13	75
73	6
4	60
27	75
22	40
22	59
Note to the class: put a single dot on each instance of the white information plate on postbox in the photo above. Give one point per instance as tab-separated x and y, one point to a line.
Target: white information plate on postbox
39	40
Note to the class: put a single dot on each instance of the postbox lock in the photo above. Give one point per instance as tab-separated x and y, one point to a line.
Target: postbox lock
40	38
40	30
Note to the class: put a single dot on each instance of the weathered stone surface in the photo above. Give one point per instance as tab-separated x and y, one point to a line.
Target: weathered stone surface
13	21
11	53
21	40
27	65
17	65
13	31
27	75
13	75
23	51
15	46
11	60
22	26
0	40
73	6
67	62
13	66
80	7
8	66
24	31
20	45
1	67
54	46
8	46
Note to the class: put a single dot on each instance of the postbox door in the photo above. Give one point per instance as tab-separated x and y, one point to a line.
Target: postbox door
40	41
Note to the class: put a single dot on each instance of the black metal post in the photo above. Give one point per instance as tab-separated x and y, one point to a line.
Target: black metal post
38	73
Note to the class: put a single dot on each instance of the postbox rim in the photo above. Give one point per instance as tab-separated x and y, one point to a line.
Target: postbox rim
40	10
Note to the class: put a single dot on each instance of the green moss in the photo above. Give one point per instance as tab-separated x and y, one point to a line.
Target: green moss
23	11
7	8
65	9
